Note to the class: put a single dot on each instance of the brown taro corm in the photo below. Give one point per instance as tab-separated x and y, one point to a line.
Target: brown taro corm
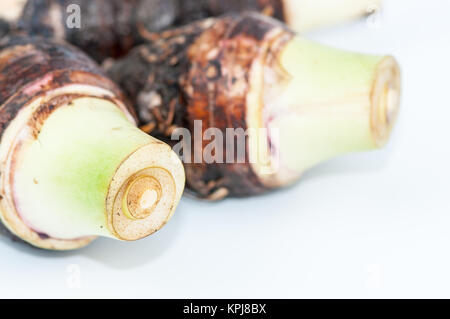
184	75
250	71
74	164
110	28
25	59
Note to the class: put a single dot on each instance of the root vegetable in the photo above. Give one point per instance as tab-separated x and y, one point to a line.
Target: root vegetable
251	72
73	163
110	28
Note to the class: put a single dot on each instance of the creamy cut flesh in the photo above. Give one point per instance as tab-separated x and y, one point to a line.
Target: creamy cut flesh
319	103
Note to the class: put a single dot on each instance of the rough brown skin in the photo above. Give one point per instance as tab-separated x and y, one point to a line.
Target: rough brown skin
201	72
111	28
4	28
192	10
29	67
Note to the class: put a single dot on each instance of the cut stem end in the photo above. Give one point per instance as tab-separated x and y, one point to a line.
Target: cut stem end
144	192
385	100
319	103
141	197
86	171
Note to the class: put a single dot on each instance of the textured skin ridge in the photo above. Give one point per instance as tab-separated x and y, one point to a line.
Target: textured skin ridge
26	62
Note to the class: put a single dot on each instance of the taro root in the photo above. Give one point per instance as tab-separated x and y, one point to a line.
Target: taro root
110	28
73	163
250	72
107	28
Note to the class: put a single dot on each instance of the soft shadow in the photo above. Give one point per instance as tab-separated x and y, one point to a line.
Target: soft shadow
351	164
23	247
128	255
112	253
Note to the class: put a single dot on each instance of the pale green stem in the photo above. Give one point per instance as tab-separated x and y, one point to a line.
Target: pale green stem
90	171
329	102
305	15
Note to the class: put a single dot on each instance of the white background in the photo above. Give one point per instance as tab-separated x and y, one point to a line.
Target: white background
365	225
